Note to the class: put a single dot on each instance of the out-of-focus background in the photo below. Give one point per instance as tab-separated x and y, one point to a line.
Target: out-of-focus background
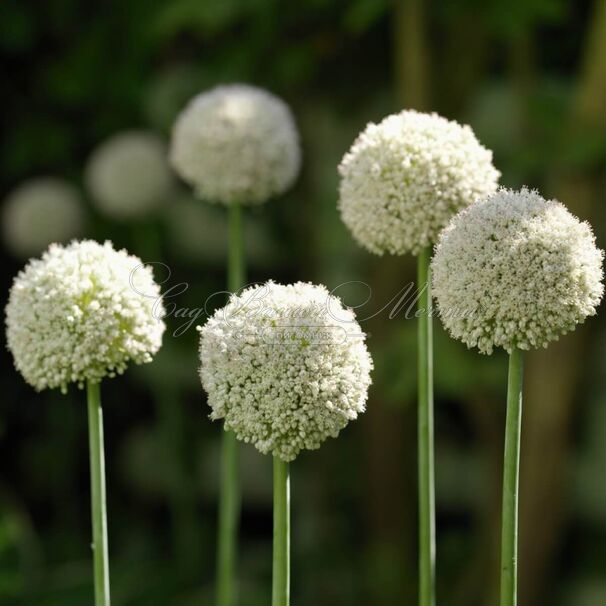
528	75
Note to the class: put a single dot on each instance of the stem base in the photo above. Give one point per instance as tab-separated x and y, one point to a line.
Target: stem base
427	531
511	481
98	497
281	555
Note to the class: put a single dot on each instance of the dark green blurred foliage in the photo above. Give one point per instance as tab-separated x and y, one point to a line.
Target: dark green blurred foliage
526	75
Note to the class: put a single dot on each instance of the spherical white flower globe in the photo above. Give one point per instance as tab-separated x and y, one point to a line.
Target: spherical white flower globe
128	175
285	367
41	211
81	313
236	144
404	178
516	271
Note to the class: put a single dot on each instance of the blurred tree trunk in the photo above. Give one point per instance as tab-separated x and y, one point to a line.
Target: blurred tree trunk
391	485
590	107
391	460
478	582
391	490
550	389
464	60
522	62
411	58
553	374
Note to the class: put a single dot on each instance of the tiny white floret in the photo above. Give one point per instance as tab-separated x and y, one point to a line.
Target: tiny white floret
41	211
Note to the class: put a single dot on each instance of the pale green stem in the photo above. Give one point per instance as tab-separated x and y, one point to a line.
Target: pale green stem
281	554
511	481
427	540
229	496
235	260
98	506
229	512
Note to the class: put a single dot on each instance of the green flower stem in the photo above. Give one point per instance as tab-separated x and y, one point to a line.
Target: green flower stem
427	530
281	556
98	506
511	481
229	497
235	261
229	512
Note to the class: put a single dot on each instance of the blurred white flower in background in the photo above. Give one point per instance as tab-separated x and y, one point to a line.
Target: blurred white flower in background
404	178
81	313
41	211
587	590
197	233
169	90
236	144
496	112
128	175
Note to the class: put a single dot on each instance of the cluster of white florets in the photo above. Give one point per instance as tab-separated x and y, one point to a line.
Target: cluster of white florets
404	178
285	367
128	175
516	271
80	313
236	144
41	211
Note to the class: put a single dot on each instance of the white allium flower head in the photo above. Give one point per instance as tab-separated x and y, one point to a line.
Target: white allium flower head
81	313
404	178
41	211
284	366
128	175
236	144
516	271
